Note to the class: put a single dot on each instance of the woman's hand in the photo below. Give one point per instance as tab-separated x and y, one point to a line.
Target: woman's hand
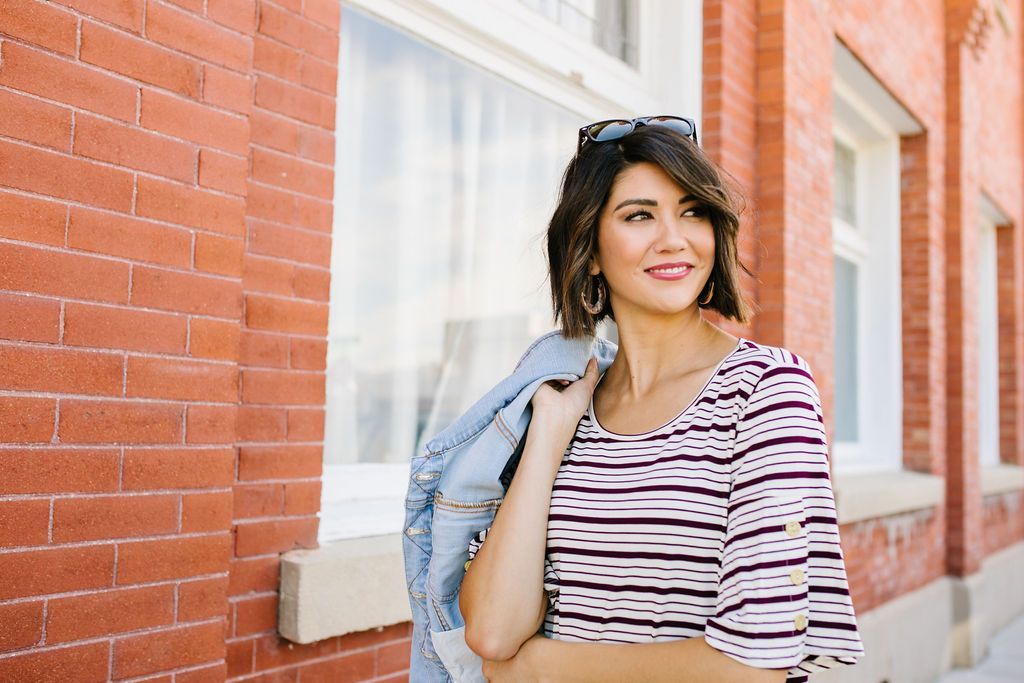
561	403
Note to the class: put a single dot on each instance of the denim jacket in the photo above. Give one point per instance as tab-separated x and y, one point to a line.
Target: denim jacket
455	488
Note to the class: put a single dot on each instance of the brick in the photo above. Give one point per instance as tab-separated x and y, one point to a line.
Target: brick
258	500
116	327
124	13
29	318
279	462
277	387
56	470
64	176
292	174
272	651
177	378
270	56
263	349
267	275
60	570
224	172
134	148
239	658
316	144
33	120
312	283
104	517
172	558
261	423
168	649
187	292
119	422
219	254
306	424
80	663
285	315
44	271
274	131
275	536
39	23
319	75
214	339
324	12
254	575
178	468
187	205
308	354
291	209
25	419
294	101
21	625
61	80
210	424
237	14
302	498
217	673
198	36
114	234
194	6
149	63
203	599
31	219
194	121
227	89
24	523
66	370
256	615
206	511
294	244
298	32
109	612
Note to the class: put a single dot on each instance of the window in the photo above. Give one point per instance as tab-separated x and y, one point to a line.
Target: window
609	24
988	334
448	167
868	405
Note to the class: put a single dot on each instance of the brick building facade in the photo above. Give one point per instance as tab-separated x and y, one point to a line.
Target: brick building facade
167	171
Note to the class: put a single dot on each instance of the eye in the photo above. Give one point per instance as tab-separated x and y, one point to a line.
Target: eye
698	211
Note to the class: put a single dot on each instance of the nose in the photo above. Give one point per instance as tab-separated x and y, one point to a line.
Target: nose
671	234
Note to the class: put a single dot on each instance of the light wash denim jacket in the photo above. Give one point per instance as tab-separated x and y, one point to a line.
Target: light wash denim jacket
455	488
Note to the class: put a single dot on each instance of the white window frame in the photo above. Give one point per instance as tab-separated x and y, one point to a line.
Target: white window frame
869	120
528	49
990	218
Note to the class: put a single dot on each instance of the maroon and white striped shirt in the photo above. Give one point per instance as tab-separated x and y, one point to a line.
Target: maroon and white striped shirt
721	522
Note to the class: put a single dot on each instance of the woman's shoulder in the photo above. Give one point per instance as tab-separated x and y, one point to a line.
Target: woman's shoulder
752	359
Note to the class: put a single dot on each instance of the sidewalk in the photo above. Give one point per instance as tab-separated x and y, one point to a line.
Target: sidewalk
1004	663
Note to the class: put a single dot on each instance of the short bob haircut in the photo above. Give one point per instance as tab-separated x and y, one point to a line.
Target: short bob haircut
586	186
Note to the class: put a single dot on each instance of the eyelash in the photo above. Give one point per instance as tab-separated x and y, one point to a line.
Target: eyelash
699	211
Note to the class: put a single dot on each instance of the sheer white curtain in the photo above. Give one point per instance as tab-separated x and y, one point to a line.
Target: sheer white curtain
445	178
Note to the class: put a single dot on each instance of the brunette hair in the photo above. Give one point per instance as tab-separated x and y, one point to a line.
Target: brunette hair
586	186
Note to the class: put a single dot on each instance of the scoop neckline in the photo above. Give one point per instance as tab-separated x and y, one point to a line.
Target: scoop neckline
598	427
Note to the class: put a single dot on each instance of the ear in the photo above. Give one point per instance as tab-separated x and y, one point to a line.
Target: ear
595	267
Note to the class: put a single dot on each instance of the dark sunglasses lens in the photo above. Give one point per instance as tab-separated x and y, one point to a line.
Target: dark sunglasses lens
609	130
681	125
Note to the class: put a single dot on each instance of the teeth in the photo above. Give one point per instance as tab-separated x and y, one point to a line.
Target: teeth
678	269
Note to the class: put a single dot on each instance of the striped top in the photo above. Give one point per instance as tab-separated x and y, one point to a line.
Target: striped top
721	522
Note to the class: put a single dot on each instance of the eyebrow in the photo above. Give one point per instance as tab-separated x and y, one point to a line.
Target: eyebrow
650	202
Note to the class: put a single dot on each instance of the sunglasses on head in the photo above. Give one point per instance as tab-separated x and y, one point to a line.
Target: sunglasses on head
613	129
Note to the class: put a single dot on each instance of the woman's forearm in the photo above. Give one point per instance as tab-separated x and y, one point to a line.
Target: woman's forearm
680	661
502	596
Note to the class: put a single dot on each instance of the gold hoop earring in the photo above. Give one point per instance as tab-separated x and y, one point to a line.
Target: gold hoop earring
599	304
710	294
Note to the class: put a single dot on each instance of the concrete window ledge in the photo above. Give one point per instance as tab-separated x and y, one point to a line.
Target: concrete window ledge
345	586
1002	478
881	494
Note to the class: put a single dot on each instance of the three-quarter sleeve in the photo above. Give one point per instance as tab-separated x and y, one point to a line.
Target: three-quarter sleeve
783	597
550	577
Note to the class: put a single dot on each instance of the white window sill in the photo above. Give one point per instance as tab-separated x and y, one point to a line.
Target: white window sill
1002	478
350	585
882	494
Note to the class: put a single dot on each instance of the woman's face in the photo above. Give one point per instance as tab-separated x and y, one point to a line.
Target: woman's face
649	221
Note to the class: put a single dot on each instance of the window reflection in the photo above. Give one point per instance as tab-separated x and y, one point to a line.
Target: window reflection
446	177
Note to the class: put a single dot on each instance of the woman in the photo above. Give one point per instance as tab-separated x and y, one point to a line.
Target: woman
681	503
